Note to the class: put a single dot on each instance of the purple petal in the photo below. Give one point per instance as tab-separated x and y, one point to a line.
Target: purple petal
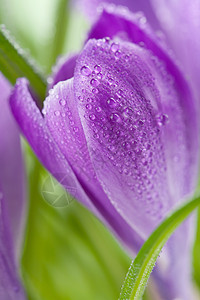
180	21
91	8
63	70
35	130
144	126
54	141
173	275
10	288
11	197
63	121
12	167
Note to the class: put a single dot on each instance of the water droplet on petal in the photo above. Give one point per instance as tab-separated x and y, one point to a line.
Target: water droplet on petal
95	91
118	53
120	93
62	102
89	106
98	109
162	119
111	102
100	75
92	117
57	113
97	68
94	82
85	71
115	117
114	47
75	129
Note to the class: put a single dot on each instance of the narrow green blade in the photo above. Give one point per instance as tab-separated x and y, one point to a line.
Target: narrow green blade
15	63
61	27
141	268
196	253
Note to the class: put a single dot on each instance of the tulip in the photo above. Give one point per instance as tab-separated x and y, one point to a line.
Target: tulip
119	130
11	198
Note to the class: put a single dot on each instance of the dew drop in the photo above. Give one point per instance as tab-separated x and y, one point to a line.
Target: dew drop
89	106
114	47
75	129
120	93
127	112
97	68
126	57
115	117
100	75
95	91
80	98
62	102
85	71
98	109
111	102
57	113
94	82
118	53
162	119
92	117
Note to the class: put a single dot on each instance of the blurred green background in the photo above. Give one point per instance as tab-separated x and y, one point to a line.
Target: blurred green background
67	252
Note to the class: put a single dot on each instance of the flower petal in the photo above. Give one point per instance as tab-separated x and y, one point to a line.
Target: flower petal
143	124
49	148
63	70
180	21
91	7
173	271
11	162
11	197
63	121
10	288
35	130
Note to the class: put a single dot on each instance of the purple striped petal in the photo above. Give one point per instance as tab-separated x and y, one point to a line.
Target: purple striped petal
59	143
180	21
10	287
32	124
92	7
11	198
11	163
140	121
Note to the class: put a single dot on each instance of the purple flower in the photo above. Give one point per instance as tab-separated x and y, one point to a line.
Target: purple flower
11	198
120	125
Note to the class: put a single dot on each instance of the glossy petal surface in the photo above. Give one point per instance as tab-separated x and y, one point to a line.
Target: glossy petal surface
35	130
63	121
51	146
137	123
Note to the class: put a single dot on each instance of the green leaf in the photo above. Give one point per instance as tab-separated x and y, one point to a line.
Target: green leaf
15	63
141	268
